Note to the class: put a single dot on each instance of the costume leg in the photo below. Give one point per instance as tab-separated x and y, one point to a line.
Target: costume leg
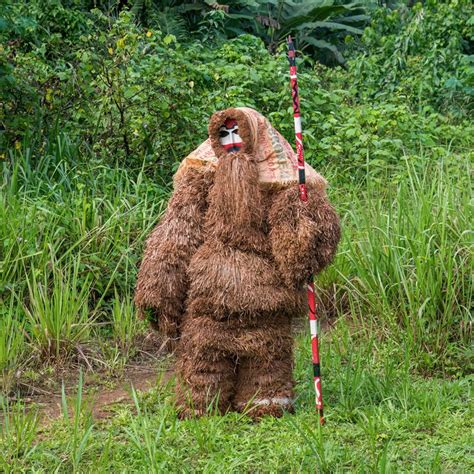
265	379
205	377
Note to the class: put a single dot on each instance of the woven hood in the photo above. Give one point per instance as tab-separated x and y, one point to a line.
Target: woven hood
277	162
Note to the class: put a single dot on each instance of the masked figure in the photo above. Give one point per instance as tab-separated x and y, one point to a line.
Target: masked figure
225	271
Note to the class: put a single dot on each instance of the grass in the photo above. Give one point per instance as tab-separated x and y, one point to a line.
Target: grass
125	325
18	429
78	425
395	366
12	347
406	263
59	319
379	419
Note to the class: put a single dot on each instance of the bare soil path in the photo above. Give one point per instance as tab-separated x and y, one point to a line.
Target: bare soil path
100	399
101	393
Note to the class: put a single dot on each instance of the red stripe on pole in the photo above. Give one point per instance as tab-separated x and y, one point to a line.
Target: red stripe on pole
315	349
311	302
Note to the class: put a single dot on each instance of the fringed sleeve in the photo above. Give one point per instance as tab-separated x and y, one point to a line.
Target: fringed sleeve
303	235
162	282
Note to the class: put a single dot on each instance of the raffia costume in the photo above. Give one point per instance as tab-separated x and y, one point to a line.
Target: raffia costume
225	270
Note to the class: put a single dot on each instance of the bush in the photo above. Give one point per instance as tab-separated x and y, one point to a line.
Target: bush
420	55
98	112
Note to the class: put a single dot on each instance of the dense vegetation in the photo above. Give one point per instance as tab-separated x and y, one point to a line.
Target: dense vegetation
99	102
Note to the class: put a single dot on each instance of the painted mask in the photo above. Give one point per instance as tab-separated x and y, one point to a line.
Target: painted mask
229	136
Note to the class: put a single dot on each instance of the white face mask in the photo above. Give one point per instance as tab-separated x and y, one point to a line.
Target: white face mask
229	136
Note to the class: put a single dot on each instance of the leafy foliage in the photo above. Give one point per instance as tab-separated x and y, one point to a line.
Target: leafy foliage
98	111
318	25
422	55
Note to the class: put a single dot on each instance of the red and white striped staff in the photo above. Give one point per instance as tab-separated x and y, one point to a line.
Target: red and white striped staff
313	321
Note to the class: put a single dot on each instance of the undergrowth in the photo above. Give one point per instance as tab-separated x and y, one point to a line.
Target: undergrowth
379	418
73	234
94	120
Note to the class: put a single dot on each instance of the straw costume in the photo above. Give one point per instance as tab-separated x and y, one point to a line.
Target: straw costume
225	270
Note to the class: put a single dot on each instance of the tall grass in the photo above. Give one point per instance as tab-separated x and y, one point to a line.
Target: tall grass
72	238
12	346
405	263
125	324
73	231
121	343
71	234
58	318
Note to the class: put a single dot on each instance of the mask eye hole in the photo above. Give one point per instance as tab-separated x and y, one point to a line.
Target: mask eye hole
223	133
236	131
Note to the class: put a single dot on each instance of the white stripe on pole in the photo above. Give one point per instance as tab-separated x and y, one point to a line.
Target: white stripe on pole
313	324
318	394
298	124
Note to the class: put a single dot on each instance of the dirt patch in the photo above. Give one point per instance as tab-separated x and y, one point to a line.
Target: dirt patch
102	388
103	385
98	398
102	392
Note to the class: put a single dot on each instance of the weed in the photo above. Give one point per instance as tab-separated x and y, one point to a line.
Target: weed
12	347
79	425
59	319
146	438
18	428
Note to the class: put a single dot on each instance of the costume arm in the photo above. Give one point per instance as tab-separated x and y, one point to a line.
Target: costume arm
303	235
162	283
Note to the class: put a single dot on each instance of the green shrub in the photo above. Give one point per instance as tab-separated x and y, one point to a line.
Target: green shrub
97	113
135	96
420	55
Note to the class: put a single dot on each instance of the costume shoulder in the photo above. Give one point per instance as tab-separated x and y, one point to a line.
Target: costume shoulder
201	160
